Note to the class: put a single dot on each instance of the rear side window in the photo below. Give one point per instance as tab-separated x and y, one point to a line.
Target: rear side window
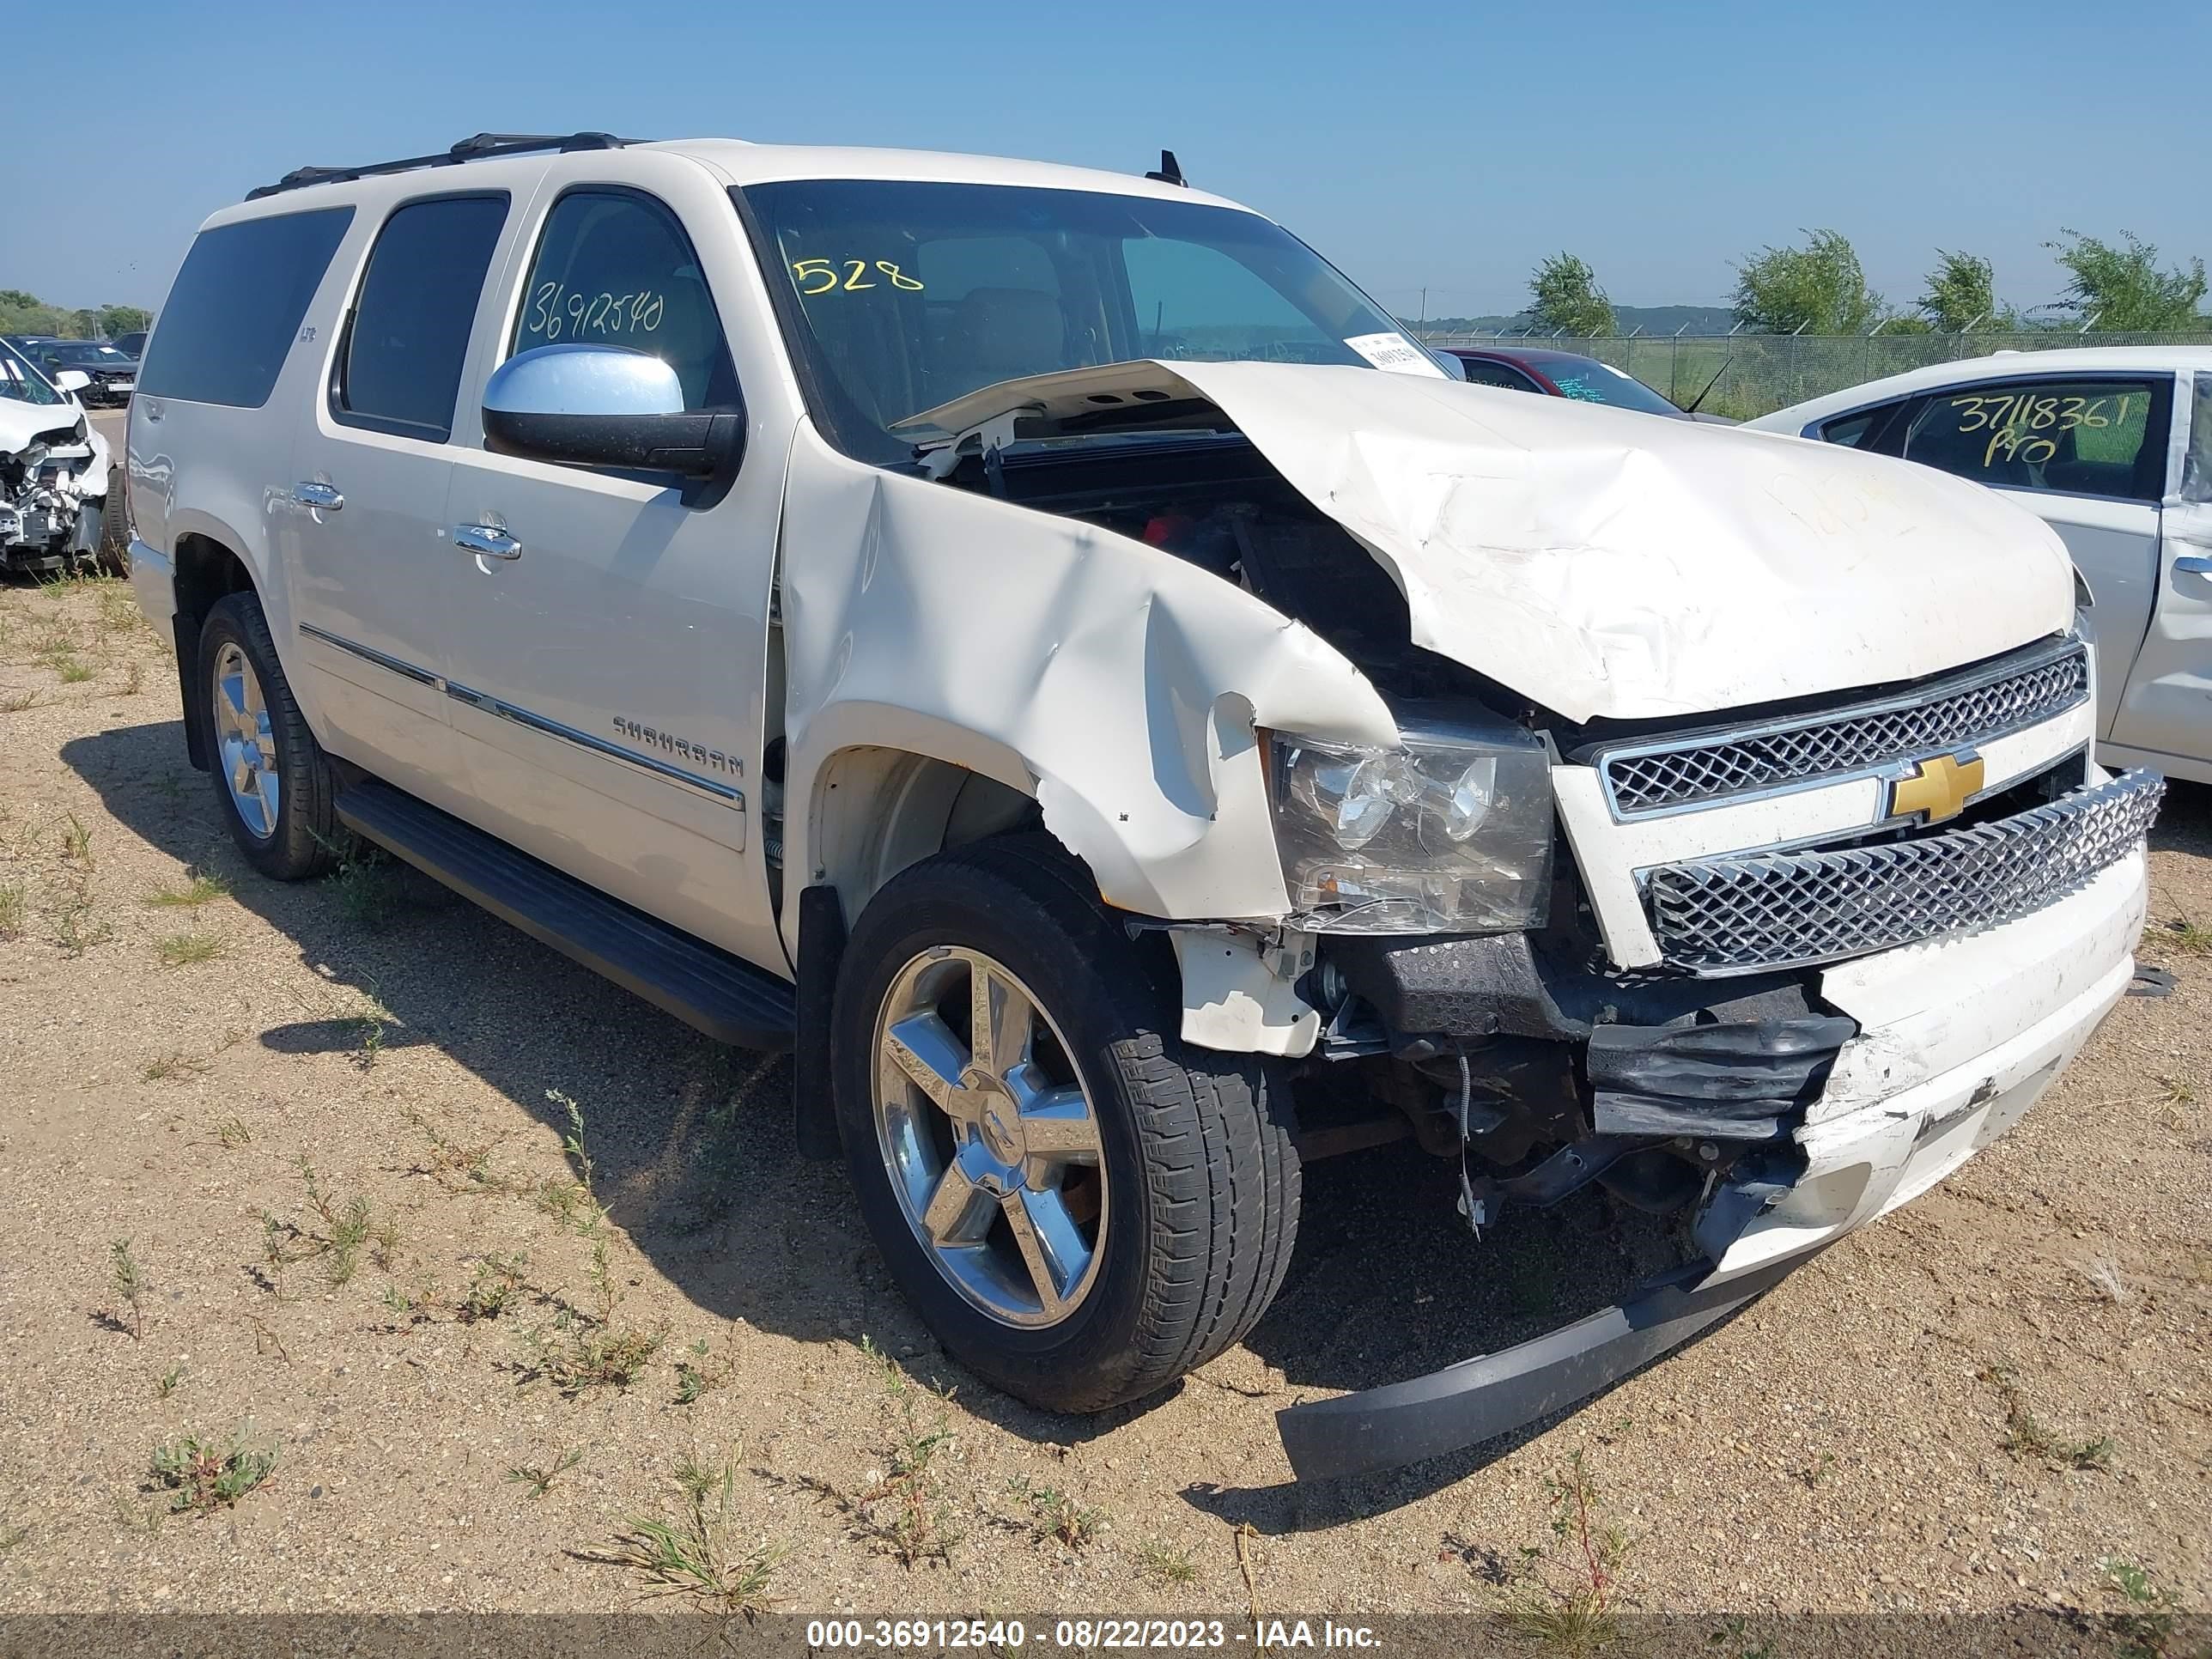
401	368
236	307
2076	437
615	268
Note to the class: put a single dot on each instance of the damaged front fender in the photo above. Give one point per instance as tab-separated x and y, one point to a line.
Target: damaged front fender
1129	683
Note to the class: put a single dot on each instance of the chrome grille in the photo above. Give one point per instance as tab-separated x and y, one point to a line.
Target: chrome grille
1684	771
1784	909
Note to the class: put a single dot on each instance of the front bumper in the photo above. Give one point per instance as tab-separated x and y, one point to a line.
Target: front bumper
1959	1038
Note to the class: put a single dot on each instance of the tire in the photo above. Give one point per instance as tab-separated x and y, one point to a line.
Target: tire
114	554
300	838
1196	1179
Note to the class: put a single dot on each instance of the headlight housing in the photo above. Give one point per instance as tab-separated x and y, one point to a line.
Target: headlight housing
1450	833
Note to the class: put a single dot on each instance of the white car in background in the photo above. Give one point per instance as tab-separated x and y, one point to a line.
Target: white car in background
53	474
2111	446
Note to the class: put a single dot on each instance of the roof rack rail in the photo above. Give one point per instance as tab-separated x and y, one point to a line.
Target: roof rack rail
483	147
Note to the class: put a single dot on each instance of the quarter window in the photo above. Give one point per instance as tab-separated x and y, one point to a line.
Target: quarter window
409	334
614	268
1860	430
2081	437
235	309
1482	372
2196	464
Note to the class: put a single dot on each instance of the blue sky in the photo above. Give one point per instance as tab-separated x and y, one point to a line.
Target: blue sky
1453	146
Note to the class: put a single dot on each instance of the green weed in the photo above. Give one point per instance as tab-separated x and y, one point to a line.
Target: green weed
202	1475
540	1480
129	1282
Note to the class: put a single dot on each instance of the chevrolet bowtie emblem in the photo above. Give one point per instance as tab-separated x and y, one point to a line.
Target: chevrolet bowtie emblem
1938	789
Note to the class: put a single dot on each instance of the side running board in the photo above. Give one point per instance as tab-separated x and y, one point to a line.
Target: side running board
728	999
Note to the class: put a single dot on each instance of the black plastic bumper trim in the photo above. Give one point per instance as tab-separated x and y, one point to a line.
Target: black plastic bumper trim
1494	1394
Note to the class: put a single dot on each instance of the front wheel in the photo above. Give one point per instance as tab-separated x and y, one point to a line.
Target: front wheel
1081	1207
113	556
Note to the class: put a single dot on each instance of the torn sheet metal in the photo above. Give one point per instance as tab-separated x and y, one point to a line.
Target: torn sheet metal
1117	682
1604	563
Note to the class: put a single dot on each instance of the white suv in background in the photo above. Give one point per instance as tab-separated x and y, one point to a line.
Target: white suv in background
2111	446
1046	646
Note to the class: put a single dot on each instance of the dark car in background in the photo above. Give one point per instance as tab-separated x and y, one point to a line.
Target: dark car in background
133	344
1567	374
114	374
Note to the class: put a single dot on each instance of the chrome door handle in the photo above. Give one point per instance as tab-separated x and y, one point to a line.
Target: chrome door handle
486	540
322	497
2192	564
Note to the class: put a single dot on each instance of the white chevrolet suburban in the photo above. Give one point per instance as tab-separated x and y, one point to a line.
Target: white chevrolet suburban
1045	648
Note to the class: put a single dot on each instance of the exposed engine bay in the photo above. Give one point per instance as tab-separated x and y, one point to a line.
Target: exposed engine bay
53	490
1213	501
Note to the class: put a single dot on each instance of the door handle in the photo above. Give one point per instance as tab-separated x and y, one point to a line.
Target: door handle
2192	564
487	540
322	497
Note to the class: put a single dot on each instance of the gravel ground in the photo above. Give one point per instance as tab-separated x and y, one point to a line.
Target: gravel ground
1996	1400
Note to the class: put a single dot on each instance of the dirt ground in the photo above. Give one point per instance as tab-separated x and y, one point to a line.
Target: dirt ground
329	1119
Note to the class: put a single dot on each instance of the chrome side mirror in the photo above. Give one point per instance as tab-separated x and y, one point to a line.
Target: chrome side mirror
601	405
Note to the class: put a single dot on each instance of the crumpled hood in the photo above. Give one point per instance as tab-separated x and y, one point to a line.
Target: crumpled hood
20	423
1604	563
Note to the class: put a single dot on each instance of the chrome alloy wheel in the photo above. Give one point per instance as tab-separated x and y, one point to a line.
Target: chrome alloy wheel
245	750
990	1137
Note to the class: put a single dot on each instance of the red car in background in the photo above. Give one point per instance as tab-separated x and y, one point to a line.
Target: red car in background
1566	375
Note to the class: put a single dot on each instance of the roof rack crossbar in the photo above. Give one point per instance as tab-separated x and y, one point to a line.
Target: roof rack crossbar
482	146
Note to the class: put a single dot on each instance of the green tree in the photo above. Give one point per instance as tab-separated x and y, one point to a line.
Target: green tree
1564	298
124	319
1962	294
1818	289
2121	288
25	314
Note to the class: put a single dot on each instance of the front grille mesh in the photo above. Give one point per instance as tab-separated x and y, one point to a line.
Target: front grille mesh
1739	764
1785	910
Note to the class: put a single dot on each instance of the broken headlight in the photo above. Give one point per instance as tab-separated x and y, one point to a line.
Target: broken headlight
1450	833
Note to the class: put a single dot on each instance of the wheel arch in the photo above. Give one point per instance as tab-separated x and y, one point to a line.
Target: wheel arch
858	815
207	569
874	810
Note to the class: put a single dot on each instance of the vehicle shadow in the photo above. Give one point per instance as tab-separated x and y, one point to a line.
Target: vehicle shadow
694	1154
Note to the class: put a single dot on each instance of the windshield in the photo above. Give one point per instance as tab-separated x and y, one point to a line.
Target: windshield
85	353
20	383
1590	381
908	295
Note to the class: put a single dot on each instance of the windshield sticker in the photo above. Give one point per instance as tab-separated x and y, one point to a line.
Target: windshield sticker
849	275
1395	353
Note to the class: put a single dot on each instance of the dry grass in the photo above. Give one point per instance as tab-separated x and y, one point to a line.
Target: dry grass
1052	1514
197	889
186	949
1565	1598
2027	1438
697	1555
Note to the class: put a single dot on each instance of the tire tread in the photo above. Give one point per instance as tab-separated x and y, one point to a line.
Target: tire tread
1216	1130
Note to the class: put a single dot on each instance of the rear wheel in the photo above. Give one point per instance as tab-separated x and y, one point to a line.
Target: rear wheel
272	777
1081	1207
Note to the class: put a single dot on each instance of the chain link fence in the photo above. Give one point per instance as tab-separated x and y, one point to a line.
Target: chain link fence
1754	374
